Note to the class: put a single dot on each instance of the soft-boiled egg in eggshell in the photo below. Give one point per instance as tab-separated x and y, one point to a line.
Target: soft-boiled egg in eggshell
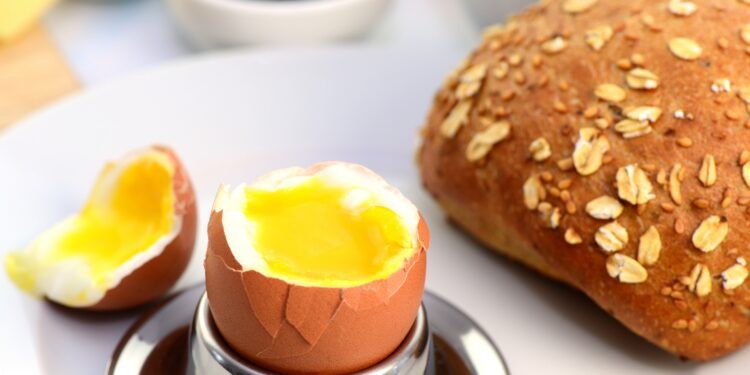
127	246
317	270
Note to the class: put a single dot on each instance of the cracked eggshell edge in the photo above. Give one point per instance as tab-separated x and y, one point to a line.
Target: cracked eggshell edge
303	329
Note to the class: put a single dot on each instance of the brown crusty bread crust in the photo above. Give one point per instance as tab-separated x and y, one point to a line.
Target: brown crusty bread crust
550	92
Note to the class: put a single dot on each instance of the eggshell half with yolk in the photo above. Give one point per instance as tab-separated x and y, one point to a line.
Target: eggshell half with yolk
127	246
293	314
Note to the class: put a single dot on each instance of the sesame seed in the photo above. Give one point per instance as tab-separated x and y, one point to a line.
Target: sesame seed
536	61
565	184
565	164
685	142
632	35
519	78
661	177
624	64
563	85
546	176
602	123
679	324
543	80
667	207
701	203
638	59
648	167
722	42
515	59
565	195
726	201
650	22
679	226
559	107
680	304
590	112
570	207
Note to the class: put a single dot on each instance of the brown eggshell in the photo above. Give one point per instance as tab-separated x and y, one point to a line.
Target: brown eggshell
153	279
298	329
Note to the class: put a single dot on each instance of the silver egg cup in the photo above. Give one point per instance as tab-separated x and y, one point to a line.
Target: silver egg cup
175	337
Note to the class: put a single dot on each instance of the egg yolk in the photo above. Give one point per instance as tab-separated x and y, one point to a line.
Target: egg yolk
308	234
119	220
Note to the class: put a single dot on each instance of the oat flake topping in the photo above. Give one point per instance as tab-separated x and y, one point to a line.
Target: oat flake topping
597	37
685	48
572	237
604	208
734	276
455	119
610	92
483	141
589	151
710	233
649	247
642	79
533	192
539	149
626	269
577	6
611	237
633	185
682	8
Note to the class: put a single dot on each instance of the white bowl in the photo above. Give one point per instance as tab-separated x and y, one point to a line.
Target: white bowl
223	23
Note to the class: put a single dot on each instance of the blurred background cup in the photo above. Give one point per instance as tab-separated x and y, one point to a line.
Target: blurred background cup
228	23
490	12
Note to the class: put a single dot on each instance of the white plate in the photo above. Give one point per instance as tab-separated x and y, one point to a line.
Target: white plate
234	116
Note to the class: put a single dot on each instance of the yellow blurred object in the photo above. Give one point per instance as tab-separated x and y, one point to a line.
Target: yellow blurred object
17	16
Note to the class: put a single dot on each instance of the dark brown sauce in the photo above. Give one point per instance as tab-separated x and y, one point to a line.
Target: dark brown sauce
170	355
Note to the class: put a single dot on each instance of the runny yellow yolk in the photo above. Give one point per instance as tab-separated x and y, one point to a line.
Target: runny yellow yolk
118	221
305	233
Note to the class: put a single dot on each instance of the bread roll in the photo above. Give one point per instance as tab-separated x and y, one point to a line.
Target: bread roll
607	144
